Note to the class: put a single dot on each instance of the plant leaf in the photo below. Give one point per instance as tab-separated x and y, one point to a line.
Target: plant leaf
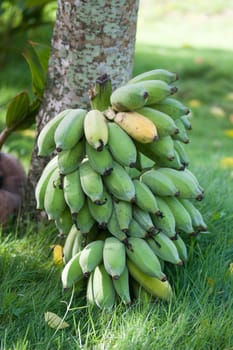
17	109
30	117
54	321
43	53
33	3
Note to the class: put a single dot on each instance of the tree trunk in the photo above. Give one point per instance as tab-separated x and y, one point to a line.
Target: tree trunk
90	38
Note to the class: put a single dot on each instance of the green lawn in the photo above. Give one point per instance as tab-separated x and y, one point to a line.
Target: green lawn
201	315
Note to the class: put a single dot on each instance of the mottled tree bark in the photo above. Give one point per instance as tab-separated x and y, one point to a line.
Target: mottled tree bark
90	38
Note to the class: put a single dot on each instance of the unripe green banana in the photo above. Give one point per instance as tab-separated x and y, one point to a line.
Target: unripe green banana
84	220
182	134
163	148
45	141
166	223
103	289
137	126
196	216
70	130
165	249
165	125
186	186
68	246
91	256
144	161
43	182
140	293
152	284
140	253
182	217
73	192
174	108
64	222
54	201
119	184
123	212
157	90
136	230
159	184
190	174
89	293
114	228
114	257
101	213
101	162
82	239
129	97
69	160
72	272
181	248
155	74
124	152
186	122
145	198
91	182
144	219
96	129
179	147
121	286
174	163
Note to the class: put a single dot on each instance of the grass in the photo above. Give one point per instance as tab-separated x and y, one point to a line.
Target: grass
200	316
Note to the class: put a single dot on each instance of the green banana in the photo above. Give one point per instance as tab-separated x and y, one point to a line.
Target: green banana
123	212
72	272
163	148
103	289
144	161
165	249
181	248
196	216
91	182
70	130
182	134
73	192
89	292
140	253
54	201
114	257
119	184
174	163
45	141
186	186
96	129
68	246
186	122
124	152
69	160
43	182
157	90
164	123
101	213
144	219
182	217
101	162
129	97
83	219
166	223
174	108
190	173
152	285
140	293
155	74
145	198
136	230
179	148
91	256
159	184
121	286
64	222
82	239
114	228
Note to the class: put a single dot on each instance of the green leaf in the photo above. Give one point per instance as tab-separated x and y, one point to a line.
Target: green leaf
43	53
17	109
30	117
33	3
37	71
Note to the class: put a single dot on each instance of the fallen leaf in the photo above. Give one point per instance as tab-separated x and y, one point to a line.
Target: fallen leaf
194	103
229	132
210	281
227	162
57	254
54	321
217	111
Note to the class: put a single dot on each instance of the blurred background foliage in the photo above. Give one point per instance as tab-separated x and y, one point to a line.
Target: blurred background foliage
191	38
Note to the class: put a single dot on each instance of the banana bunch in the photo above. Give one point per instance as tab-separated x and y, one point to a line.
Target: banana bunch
119	190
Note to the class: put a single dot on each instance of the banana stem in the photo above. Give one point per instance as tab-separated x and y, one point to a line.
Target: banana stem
4	135
100	95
